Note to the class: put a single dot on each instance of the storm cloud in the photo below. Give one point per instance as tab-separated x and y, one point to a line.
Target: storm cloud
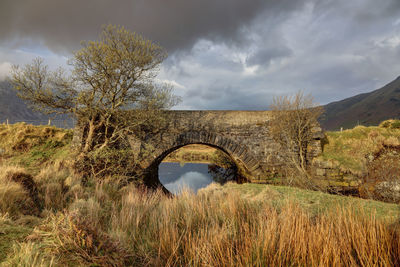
175	24
226	54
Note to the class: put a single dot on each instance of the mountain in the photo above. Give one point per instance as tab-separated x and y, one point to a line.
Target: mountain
14	109
364	109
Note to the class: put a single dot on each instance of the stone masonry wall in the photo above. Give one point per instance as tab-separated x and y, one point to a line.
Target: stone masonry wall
244	135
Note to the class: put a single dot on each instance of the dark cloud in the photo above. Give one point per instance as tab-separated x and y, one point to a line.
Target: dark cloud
228	54
175	24
265	55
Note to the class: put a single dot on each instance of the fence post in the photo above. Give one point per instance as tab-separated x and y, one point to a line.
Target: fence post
49	122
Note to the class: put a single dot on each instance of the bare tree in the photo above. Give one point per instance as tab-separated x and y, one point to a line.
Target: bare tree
293	120
109	76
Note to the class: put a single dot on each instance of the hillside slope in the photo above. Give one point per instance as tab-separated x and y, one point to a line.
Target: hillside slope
365	109
14	109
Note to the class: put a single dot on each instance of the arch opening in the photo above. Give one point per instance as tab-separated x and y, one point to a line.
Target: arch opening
195	166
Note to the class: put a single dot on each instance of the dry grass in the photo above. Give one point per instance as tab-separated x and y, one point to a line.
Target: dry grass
4	218
22	137
27	255
33	146
55	182
72	240
216	227
226	230
53	188
15	199
391	124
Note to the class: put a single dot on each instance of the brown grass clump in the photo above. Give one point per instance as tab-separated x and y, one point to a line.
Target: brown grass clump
18	192
216	227
27	182
27	255
54	188
54	182
227	230
73	240
14	199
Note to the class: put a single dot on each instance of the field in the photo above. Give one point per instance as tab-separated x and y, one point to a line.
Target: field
49	218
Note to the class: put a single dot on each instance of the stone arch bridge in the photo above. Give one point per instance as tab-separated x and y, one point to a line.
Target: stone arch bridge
243	135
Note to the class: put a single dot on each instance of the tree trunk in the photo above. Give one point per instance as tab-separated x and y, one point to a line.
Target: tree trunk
89	137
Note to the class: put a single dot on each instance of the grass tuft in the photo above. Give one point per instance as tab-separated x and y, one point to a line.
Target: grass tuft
27	255
17	192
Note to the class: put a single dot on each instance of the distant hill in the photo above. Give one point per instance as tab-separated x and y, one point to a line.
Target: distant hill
365	109
15	109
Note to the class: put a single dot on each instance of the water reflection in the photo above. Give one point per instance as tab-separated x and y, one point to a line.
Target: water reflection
175	176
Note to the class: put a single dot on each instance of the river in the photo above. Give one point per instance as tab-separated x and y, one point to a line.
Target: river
194	176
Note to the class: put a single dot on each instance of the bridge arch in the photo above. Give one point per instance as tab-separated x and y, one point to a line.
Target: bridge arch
243	135
241	155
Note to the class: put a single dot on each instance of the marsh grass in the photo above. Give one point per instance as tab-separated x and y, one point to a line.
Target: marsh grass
225	229
220	226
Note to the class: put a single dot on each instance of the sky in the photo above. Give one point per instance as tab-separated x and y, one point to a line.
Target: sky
225	54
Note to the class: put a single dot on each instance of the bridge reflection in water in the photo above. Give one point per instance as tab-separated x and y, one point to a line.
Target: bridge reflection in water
195	167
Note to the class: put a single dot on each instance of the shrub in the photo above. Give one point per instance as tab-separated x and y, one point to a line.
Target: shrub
106	162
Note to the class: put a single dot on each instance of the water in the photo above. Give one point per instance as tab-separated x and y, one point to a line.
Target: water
175	176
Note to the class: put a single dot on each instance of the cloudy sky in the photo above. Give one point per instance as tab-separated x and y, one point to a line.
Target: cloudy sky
225	54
